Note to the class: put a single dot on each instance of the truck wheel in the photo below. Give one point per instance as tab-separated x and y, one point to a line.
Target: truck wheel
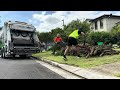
13	55
4	56
1	53
23	56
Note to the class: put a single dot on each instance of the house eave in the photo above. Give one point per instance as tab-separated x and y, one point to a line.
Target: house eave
105	16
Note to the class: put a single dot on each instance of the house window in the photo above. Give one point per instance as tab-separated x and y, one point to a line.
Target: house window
96	25
101	24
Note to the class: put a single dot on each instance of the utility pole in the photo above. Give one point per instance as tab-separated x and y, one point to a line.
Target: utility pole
63	24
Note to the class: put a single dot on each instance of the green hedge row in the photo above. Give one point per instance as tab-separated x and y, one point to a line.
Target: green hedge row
106	37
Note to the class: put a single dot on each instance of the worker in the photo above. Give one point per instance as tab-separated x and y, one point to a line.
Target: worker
72	40
57	40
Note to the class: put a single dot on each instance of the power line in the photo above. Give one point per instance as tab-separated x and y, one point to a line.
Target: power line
63	24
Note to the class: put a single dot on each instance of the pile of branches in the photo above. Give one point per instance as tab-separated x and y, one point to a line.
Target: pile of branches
90	51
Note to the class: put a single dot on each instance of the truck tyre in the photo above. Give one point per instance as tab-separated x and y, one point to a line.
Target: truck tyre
13	55
1	53
4	56
23	56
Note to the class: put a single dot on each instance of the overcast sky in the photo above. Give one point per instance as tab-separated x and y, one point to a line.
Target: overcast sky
44	21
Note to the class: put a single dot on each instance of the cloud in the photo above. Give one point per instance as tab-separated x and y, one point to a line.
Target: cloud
44	12
30	20
51	21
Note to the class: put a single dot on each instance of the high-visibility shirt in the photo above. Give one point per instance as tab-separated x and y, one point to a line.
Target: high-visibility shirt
57	39
74	34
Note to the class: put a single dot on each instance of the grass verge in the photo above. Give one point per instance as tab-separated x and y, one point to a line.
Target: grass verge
81	62
117	74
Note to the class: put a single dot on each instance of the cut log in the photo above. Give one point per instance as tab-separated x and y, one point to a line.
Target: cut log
90	51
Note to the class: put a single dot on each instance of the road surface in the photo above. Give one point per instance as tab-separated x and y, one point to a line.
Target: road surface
25	69
19	68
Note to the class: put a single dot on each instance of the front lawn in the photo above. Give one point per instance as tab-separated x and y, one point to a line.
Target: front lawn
81	62
117	74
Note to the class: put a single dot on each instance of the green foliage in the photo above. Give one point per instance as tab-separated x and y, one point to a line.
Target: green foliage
94	37
64	33
90	37
117	74
106	37
1	44
118	43
75	24
115	34
45	37
55	31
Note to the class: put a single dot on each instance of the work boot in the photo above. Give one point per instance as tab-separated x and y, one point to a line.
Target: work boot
78	56
53	53
64	57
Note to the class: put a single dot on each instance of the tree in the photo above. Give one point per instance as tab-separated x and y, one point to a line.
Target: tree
75	24
45	37
56	31
115	33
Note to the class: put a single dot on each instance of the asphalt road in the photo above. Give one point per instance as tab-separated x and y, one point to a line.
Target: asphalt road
25	69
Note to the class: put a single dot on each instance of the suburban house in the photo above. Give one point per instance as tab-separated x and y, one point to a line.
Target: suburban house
104	22
88	20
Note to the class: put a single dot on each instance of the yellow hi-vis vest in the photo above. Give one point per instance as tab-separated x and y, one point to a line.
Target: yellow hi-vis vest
74	34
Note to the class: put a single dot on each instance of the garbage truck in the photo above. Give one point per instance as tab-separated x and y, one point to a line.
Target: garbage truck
18	38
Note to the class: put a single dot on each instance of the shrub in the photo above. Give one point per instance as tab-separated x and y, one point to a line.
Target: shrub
118	43
94	37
